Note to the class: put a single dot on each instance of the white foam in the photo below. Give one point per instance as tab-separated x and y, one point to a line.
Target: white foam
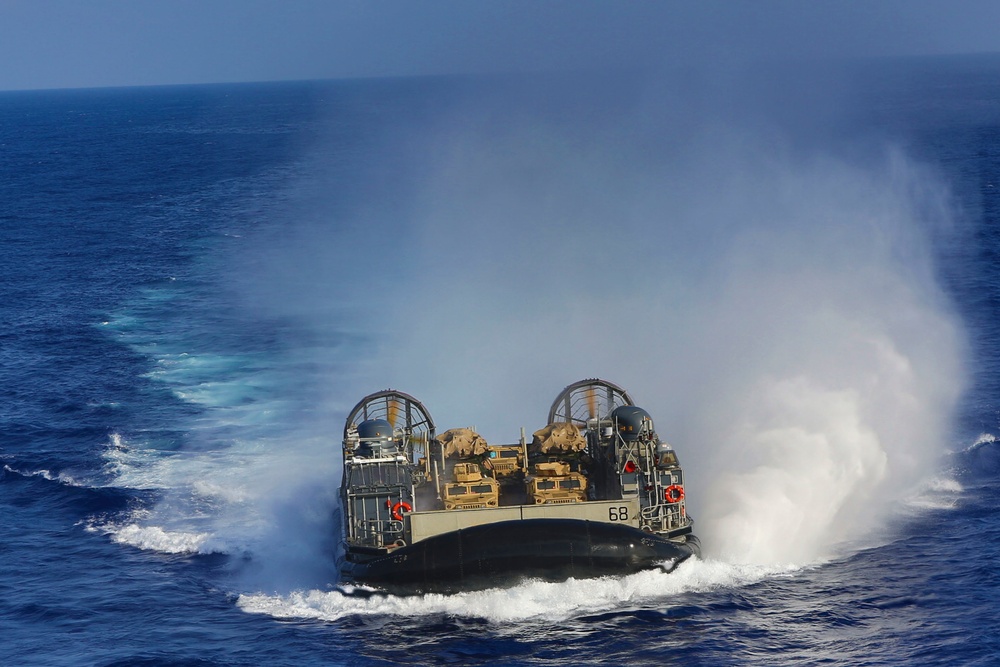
61	478
209	488
938	493
130	467
529	601
266	496
983	439
945	485
154	538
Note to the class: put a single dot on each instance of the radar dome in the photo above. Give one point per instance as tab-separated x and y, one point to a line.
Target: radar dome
628	420
374	429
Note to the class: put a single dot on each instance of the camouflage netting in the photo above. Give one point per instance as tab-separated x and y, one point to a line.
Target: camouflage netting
553	469
559	438
462	442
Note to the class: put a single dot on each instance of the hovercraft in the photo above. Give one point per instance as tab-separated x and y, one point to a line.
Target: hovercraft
595	492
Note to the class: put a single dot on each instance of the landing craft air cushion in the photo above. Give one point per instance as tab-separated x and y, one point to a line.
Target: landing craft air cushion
594	493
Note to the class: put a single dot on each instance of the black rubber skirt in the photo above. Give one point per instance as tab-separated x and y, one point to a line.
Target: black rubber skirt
500	554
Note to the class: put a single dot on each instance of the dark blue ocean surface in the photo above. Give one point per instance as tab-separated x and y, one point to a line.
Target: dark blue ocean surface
199	282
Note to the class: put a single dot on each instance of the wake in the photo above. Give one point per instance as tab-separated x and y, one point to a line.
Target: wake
528	601
778	312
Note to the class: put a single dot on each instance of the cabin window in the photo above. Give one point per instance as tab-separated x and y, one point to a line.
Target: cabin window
482	488
456	490
508	454
569	484
544	484
668	459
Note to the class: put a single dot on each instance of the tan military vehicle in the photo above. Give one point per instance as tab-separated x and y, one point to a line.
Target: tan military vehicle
505	460
470	490
553	483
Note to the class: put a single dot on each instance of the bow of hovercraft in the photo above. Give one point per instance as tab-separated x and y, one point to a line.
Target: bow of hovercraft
595	492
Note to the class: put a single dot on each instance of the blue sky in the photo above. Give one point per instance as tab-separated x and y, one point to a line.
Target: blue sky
78	43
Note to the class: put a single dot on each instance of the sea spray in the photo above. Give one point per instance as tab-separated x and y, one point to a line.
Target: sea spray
773	306
528	601
777	312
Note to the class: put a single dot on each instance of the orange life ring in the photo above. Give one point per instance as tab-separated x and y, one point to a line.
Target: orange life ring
399	508
673	493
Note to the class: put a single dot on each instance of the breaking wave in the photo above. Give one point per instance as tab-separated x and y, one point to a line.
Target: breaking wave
528	601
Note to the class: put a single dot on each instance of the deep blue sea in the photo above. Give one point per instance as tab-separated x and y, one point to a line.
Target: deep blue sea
796	273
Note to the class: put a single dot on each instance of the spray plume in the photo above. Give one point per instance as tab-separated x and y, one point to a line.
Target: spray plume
767	293
775	309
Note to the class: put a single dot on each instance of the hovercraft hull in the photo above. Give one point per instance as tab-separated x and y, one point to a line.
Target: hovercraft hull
594	492
502	553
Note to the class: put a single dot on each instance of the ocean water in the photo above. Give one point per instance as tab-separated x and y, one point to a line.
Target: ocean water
800	282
